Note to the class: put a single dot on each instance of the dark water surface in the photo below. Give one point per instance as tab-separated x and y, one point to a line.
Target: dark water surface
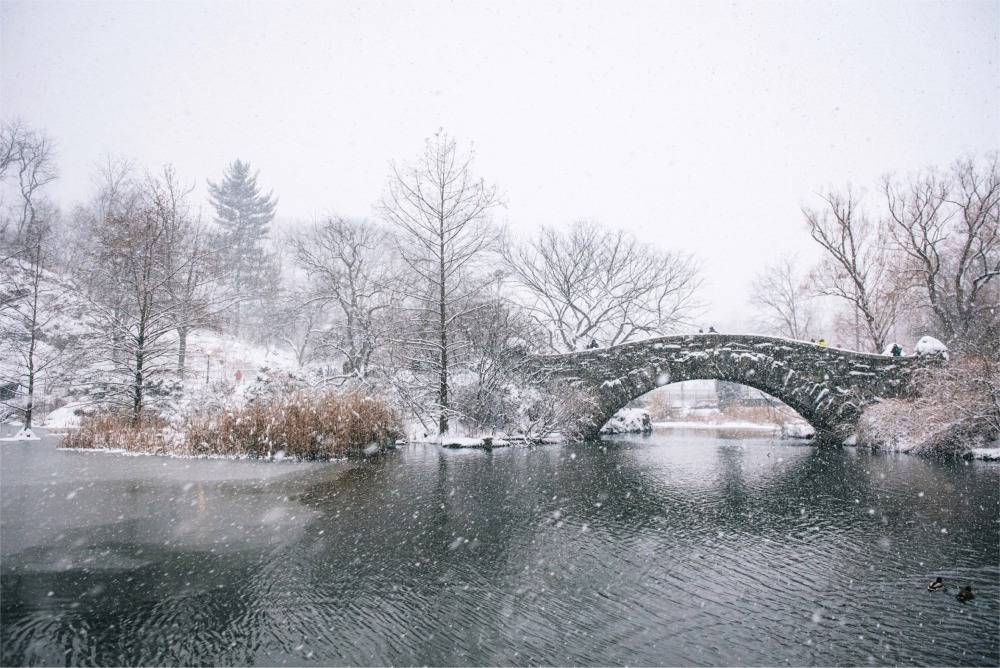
678	549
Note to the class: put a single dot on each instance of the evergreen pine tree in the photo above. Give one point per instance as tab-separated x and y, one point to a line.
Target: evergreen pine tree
244	217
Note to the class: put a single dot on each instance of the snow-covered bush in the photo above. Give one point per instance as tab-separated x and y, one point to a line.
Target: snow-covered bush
958	410
270	385
893	350
554	408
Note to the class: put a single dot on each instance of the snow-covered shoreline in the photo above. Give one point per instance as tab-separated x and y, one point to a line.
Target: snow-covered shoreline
464	442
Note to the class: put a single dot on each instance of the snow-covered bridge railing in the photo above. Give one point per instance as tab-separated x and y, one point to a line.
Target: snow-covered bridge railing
826	386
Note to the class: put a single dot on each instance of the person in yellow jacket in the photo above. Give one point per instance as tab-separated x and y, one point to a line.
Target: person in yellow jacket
822	342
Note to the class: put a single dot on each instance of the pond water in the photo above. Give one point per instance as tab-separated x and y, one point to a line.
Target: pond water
683	548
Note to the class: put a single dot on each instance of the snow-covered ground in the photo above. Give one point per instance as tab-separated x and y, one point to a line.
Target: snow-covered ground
219	369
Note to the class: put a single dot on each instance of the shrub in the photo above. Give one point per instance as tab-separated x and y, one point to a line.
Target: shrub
958	409
555	408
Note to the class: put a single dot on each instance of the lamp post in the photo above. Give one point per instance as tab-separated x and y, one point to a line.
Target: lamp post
208	362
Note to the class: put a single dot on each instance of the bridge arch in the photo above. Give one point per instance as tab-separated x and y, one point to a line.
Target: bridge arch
826	386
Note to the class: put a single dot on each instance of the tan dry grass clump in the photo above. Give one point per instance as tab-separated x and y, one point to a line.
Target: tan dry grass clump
301	425
121	432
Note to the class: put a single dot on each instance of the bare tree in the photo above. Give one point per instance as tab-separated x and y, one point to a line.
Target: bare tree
37	340
441	213
193	265
138	258
591	284
26	163
858	267
27	307
946	225
781	297
498	336
350	267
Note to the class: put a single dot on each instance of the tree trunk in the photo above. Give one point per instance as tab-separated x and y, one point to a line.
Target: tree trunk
30	408
443	393
182	333
137	387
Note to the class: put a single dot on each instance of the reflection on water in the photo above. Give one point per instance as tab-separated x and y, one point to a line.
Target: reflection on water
671	549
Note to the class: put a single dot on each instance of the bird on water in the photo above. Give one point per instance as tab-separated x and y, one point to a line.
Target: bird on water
937	585
965	594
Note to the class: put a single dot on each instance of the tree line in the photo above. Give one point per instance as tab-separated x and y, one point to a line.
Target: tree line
430	301
917	255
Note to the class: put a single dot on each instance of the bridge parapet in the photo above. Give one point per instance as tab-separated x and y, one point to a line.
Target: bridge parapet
826	386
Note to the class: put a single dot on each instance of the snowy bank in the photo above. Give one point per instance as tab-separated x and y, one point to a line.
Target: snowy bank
469	442
987	454
797	430
23	434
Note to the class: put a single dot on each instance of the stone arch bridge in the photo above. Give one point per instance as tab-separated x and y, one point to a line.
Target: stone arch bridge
826	386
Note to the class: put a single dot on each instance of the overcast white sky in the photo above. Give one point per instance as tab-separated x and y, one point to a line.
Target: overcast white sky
702	126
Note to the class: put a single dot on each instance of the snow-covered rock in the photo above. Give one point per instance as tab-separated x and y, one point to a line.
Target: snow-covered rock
928	346
629	421
797	430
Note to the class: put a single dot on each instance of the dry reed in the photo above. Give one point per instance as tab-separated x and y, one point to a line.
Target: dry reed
302	426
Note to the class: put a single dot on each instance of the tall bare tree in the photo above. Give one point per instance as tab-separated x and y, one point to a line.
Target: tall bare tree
442	215
27	307
31	306
590	284
781	297
948	228
858	267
